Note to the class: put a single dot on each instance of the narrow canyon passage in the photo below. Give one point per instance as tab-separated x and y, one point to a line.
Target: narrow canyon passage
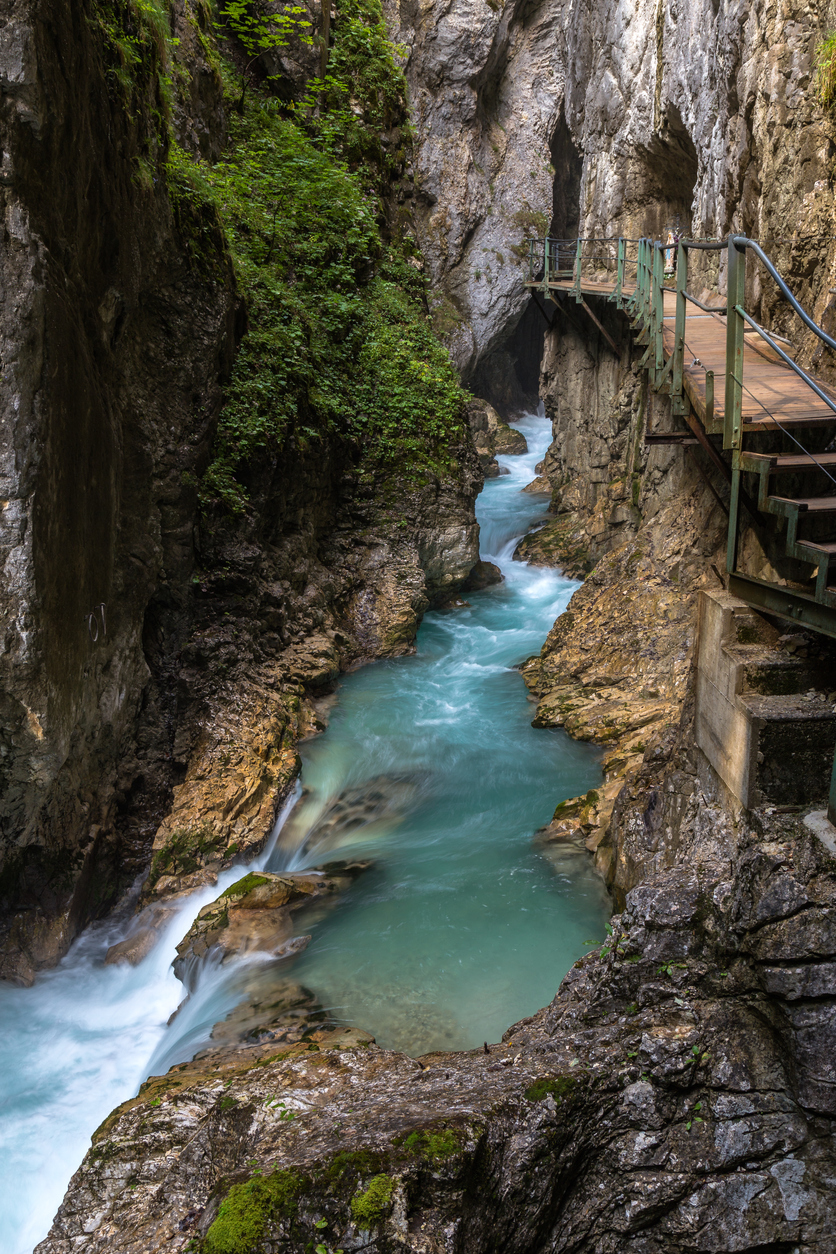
429	768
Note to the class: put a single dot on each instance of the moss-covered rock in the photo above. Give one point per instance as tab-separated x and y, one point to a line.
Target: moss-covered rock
249	1209
369	1208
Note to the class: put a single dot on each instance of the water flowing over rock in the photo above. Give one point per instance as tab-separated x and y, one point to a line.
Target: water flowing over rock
677	1093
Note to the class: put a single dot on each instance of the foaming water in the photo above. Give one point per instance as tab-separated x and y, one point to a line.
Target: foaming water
76	1044
430	768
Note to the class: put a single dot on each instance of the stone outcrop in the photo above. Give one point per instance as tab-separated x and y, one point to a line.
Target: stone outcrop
614	118
491	436
677	1095
257	914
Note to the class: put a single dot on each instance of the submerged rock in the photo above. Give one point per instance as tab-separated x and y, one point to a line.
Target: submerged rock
380	800
257	914
483	575
141	939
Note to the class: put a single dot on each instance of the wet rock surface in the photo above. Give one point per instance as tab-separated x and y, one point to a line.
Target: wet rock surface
483	575
258	914
677	1095
491	435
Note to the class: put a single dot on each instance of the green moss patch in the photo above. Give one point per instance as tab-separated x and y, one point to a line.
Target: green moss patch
370	1208
185	851
559	1087
434	1145
246	885
248	1210
353	1162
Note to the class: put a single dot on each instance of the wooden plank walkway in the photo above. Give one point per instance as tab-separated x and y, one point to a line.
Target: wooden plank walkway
771	389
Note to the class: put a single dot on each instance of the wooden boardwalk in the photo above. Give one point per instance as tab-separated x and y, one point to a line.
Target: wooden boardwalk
793	474
770	388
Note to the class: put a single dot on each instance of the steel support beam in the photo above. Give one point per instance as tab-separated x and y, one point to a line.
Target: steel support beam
786	603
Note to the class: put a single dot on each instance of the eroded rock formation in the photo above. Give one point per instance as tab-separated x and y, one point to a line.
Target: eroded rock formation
157	657
678	1095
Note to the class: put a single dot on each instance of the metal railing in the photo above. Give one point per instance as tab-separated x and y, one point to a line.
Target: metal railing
636	283
632	273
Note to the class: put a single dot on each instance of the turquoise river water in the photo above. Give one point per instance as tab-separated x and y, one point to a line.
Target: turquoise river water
459	928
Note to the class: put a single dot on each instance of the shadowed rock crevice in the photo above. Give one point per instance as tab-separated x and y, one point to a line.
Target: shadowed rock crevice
567	160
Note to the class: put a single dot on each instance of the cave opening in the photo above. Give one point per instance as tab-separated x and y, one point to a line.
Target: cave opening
567	162
509	377
661	184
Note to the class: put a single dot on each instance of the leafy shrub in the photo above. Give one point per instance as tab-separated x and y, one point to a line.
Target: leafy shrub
339	341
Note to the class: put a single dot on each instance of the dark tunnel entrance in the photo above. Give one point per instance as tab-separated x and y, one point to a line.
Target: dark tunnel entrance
567	161
509	376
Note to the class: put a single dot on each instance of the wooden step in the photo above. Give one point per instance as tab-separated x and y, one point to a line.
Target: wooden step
825	548
804	504
780	463
816	419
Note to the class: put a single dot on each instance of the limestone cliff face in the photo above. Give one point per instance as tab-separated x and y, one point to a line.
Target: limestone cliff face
145	649
600	120
605	119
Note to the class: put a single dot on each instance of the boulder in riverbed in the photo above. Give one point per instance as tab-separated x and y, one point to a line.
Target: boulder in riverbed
256	914
483	575
491	436
509	440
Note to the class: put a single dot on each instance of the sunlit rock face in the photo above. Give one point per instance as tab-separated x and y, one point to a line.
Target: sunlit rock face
604	119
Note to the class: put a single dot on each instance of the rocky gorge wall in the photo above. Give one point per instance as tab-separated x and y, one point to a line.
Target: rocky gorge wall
157	653
678	1094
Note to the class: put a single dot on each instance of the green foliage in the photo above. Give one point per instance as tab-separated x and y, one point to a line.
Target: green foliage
138	46
560	1087
330	349
364	93
433	1145
262	30
339	344
369	1208
826	71
248	1209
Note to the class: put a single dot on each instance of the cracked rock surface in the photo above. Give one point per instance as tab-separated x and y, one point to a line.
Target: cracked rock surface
678	1095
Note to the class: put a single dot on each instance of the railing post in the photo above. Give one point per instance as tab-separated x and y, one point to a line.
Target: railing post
578	251
732	421
658	311
734	345
619	276
531	244
709	401
678	402
546	259
638	298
